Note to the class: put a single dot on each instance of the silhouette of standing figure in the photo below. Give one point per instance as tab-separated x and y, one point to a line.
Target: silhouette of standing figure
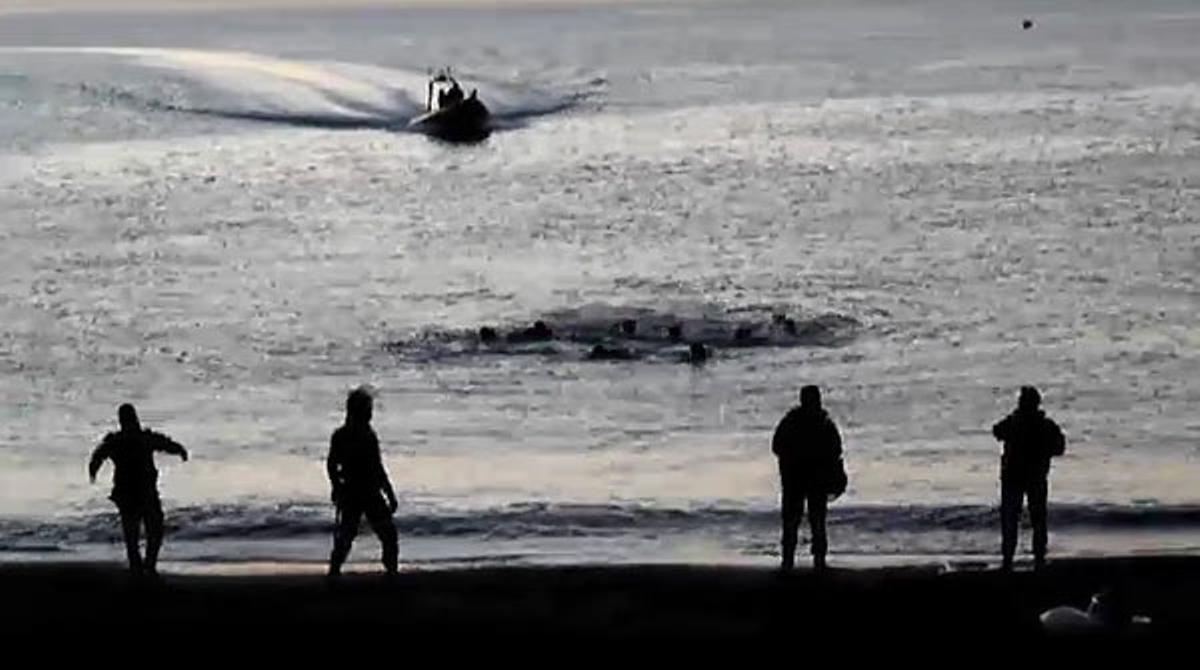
809	449
360	484
1030	440
135	484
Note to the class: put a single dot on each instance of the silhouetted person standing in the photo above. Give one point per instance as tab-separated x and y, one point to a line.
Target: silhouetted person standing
1030	440
135	483
360	484
809	449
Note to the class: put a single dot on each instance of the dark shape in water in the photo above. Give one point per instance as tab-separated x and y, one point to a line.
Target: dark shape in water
1027	24
744	336
538	332
603	353
487	335
697	354
784	321
454	118
675	332
628	327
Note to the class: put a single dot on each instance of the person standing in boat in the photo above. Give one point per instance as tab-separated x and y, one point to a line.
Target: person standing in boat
454	95
448	95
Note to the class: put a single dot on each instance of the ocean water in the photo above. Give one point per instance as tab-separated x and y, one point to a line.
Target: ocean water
220	217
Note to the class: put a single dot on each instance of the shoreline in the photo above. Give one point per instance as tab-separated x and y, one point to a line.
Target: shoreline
644	602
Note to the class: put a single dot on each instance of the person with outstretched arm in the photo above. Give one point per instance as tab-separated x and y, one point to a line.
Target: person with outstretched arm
135	484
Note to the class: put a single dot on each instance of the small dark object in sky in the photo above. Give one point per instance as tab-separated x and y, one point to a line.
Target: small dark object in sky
1027	24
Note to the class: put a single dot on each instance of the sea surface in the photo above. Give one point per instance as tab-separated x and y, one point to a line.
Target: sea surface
222	217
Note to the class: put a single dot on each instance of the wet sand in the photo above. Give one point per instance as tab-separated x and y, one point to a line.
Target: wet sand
646	603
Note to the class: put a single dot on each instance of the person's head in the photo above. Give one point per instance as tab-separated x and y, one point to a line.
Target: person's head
359	406
629	327
675	332
128	418
1029	400
487	335
810	396
698	353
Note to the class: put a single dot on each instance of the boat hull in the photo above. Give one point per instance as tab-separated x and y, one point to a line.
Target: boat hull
466	121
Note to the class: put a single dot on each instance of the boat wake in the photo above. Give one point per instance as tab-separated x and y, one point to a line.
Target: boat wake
242	86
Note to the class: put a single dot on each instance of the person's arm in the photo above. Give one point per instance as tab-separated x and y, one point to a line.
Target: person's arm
100	454
332	469
1001	429
1057	443
782	436
388	491
167	445
385	483
835	442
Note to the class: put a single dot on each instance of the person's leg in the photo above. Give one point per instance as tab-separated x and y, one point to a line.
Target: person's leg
1038	492
153	517
818	505
343	536
380	518
791	512
1010	513
131	521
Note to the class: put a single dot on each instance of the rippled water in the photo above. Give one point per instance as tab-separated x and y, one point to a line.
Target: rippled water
220	218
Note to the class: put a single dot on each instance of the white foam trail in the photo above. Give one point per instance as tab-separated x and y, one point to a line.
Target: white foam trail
264	83
321	93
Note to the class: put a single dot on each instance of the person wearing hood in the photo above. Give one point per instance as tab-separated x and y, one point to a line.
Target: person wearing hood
1030	440
135	484
809	448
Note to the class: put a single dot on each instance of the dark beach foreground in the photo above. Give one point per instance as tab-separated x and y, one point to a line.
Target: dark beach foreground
536	604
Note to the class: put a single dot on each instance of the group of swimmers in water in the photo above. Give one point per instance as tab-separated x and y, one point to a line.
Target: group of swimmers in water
627	329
